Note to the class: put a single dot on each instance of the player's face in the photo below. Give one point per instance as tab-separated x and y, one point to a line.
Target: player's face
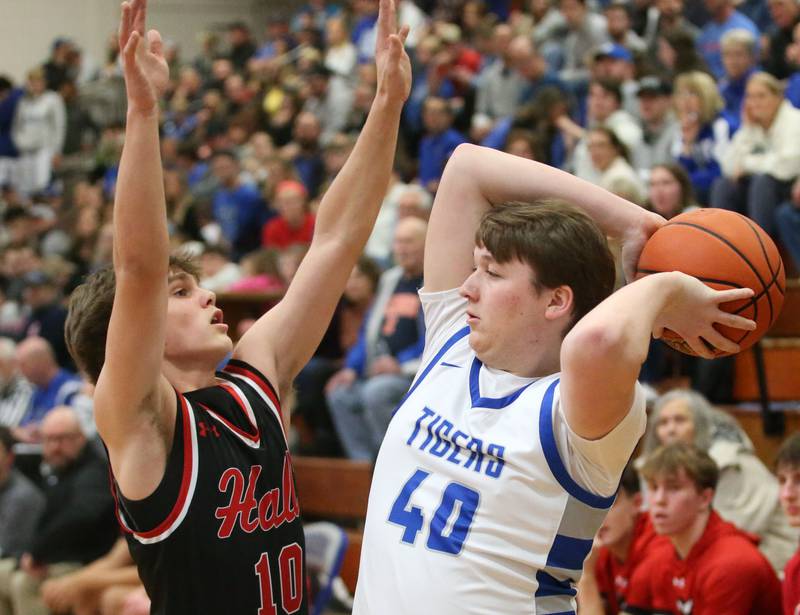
789	481
504	310
195	328
675	423
675	502
618	526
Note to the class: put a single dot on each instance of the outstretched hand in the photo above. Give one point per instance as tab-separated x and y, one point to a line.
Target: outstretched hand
146	70
694	312
391	59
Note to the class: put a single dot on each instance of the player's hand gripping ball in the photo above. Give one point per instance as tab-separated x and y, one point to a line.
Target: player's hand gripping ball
724	250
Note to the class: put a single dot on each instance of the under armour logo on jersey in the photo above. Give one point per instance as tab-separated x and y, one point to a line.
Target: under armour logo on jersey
205	430
685	607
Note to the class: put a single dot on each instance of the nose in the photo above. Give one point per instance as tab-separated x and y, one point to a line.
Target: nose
209	297
469	289
786	492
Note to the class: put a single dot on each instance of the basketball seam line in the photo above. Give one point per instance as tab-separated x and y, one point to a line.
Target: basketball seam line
738	252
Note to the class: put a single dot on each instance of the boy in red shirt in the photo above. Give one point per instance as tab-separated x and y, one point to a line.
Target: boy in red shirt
710	567
294	223
622	543
787	467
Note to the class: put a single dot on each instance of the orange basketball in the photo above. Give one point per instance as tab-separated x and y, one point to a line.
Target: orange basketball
725	250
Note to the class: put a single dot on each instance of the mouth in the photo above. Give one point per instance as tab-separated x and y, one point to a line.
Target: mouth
471	317
217	318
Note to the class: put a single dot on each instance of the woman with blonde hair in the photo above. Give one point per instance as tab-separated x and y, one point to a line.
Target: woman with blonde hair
763	158
747	492
704	132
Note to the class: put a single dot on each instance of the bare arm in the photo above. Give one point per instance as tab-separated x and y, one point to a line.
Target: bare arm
477	178
132	399
283	340
601	356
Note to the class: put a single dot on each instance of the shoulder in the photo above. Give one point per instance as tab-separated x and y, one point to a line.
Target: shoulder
734	559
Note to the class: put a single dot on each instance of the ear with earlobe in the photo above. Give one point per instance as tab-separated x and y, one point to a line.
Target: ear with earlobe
561	303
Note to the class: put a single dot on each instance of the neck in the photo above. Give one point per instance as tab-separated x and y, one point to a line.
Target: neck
188	378
684	540
621	548
543	361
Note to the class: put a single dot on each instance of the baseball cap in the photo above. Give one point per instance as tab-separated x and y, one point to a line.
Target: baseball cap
613	51
653	85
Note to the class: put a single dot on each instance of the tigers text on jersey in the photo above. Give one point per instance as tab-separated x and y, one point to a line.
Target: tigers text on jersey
222	532
472	509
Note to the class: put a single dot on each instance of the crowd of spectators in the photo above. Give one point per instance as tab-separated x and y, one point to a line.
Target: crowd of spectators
672	104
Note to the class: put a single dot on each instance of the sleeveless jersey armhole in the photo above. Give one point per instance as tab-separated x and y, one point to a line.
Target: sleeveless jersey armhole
239	371
154	517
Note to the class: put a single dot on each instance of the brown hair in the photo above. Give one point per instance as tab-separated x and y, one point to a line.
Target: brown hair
89	313
789	453
670	459
559	242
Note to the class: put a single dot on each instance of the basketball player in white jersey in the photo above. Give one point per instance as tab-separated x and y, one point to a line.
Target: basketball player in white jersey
501	462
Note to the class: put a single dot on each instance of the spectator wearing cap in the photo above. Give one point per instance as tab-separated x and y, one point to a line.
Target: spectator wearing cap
52	385
723	19
9	97
739	60
619	25
38	131
615	62
659	127
237	205
21	502
439	142
15	391
294	223
48	315
586	31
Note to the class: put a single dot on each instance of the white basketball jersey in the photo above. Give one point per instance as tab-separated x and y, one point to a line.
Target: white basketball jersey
472	509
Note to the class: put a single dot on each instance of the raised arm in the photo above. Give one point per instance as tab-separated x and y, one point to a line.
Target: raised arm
476	178
283	340
603	353
133	401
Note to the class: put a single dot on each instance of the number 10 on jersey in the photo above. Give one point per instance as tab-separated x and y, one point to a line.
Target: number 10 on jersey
445	535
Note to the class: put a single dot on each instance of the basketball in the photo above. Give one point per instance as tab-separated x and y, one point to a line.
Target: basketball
724	250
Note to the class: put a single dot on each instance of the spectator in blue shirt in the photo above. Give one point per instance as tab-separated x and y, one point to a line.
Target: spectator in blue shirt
237	206
439	142
723	18
739	59
52	385
9	97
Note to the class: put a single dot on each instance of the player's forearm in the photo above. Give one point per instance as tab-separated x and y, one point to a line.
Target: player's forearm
497	177
141	242
622	325
349	208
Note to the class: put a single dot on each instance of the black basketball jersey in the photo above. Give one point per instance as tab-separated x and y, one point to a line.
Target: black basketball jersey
222	534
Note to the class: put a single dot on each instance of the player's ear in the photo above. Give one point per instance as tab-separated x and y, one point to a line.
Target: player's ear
561	302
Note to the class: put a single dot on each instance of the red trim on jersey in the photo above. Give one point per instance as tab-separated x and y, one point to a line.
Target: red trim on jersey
260	381
120	521
255	438
185	480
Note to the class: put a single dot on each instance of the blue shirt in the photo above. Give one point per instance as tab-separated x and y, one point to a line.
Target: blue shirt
434	151
793	89
708	44
7	108
241	213
733	94
58	392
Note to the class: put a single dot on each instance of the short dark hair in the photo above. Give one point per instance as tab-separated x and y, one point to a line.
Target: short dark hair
629	482
7	439
788	455
559	242
86	328
670	459
610	86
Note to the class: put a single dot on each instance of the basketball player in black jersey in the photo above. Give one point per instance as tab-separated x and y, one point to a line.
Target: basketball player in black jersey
201	469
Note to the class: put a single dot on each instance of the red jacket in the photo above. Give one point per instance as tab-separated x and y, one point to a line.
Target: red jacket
791	586
723	574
